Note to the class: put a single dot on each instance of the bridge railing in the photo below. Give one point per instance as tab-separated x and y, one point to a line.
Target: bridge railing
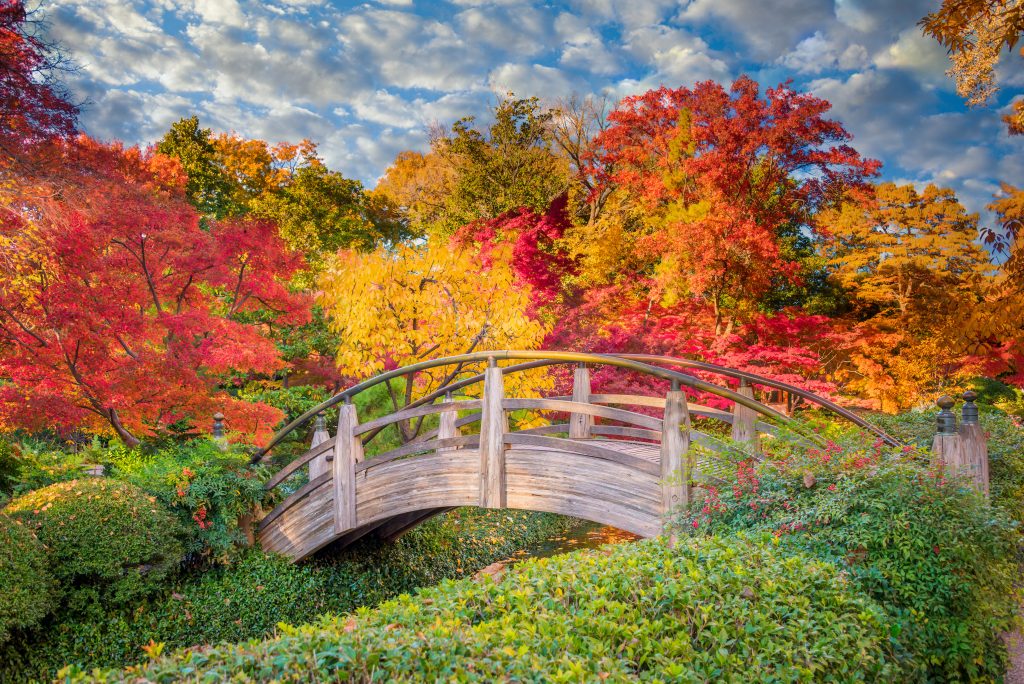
338	459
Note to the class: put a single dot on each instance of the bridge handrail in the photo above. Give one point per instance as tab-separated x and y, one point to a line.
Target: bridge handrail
538	359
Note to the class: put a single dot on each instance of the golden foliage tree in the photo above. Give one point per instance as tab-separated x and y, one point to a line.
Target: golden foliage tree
913	267
392	308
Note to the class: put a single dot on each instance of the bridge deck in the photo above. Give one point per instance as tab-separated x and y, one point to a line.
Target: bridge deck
538	478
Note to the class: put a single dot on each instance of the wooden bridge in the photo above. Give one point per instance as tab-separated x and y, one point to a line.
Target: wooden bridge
607	464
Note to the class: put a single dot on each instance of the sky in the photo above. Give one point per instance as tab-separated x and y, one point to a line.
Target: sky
366	80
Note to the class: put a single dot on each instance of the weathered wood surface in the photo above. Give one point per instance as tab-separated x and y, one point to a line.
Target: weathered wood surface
571	407
493	426
744	422
580	423
675	457
348	450
444	408
324	448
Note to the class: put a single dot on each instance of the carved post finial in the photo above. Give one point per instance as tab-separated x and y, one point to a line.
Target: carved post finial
945	422
969	413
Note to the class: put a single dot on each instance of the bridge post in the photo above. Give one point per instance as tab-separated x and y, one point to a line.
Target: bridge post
744	420
973	443
947	449
580	423
318	466
493	426
348	450
676	462
448	428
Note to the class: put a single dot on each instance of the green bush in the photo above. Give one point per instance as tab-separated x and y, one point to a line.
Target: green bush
208	488
712	610
28	590
249	597
1005	450
109	542
931	551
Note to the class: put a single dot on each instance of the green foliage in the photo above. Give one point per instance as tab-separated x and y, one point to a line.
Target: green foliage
28	590
31	464
208	188
713	610
207	488
1005	449
248	598
929	549
511	165
109	542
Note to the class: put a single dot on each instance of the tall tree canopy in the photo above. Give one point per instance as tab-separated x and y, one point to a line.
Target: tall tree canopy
119	312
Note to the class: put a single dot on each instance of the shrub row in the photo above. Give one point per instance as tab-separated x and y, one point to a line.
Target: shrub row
248	598
708	610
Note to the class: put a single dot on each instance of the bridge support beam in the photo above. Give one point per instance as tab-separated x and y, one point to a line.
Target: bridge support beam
580	424
448	427
493	426
348	450
744	420
676	461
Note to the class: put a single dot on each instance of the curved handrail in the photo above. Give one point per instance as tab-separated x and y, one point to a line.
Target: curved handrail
541	358
768	382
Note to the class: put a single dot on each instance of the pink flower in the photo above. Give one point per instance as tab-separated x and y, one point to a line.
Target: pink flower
695	524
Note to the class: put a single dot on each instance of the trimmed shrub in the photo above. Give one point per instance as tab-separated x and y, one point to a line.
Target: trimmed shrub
109	542
27	588
709	610
929	549
249	597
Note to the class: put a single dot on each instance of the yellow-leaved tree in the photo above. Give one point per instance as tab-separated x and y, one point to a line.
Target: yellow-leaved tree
395	307
914	269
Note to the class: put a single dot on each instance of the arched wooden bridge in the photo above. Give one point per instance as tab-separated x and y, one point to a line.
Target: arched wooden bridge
627	470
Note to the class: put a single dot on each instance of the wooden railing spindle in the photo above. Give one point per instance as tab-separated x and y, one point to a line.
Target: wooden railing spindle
348	450
744	419
448	427
580	424
676	461
319	465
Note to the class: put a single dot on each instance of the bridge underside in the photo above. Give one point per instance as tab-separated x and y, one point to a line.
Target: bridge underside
395	496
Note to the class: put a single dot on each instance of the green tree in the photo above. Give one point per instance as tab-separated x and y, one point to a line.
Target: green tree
208	188
508	165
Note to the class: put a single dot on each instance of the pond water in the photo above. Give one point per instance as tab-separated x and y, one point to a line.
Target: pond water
586	535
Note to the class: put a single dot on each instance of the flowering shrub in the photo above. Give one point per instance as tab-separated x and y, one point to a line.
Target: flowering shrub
26	585
209	489
109	542
925	545
708	610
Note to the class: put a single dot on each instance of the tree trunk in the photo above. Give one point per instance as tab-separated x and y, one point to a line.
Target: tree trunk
115	421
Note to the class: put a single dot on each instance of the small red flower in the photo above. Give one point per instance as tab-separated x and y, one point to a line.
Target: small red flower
832	487
695	524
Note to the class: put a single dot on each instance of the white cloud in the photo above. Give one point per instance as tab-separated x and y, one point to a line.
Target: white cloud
818	53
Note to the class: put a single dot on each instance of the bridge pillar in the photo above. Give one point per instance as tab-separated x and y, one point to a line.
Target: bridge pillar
581	423
348	450
493	426
973	443
744	420
448	427
319	465
676	462
947	448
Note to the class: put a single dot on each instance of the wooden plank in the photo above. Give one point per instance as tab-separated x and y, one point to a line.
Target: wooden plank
283	474
319	465
493	426
426	410
620	431
573	407
744	420
451	444
675	457
293	498
580	423
553	429
974	446
348	450
601	450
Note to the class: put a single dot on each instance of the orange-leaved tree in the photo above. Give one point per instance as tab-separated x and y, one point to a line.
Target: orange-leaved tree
118	312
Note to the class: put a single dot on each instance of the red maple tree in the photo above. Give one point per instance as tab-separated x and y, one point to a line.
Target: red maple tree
118	311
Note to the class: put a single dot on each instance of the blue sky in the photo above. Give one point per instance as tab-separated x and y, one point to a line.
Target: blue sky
366	80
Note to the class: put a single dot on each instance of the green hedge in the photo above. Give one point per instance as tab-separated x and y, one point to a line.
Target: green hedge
27	590
109	542
248	598
708	610
928	549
